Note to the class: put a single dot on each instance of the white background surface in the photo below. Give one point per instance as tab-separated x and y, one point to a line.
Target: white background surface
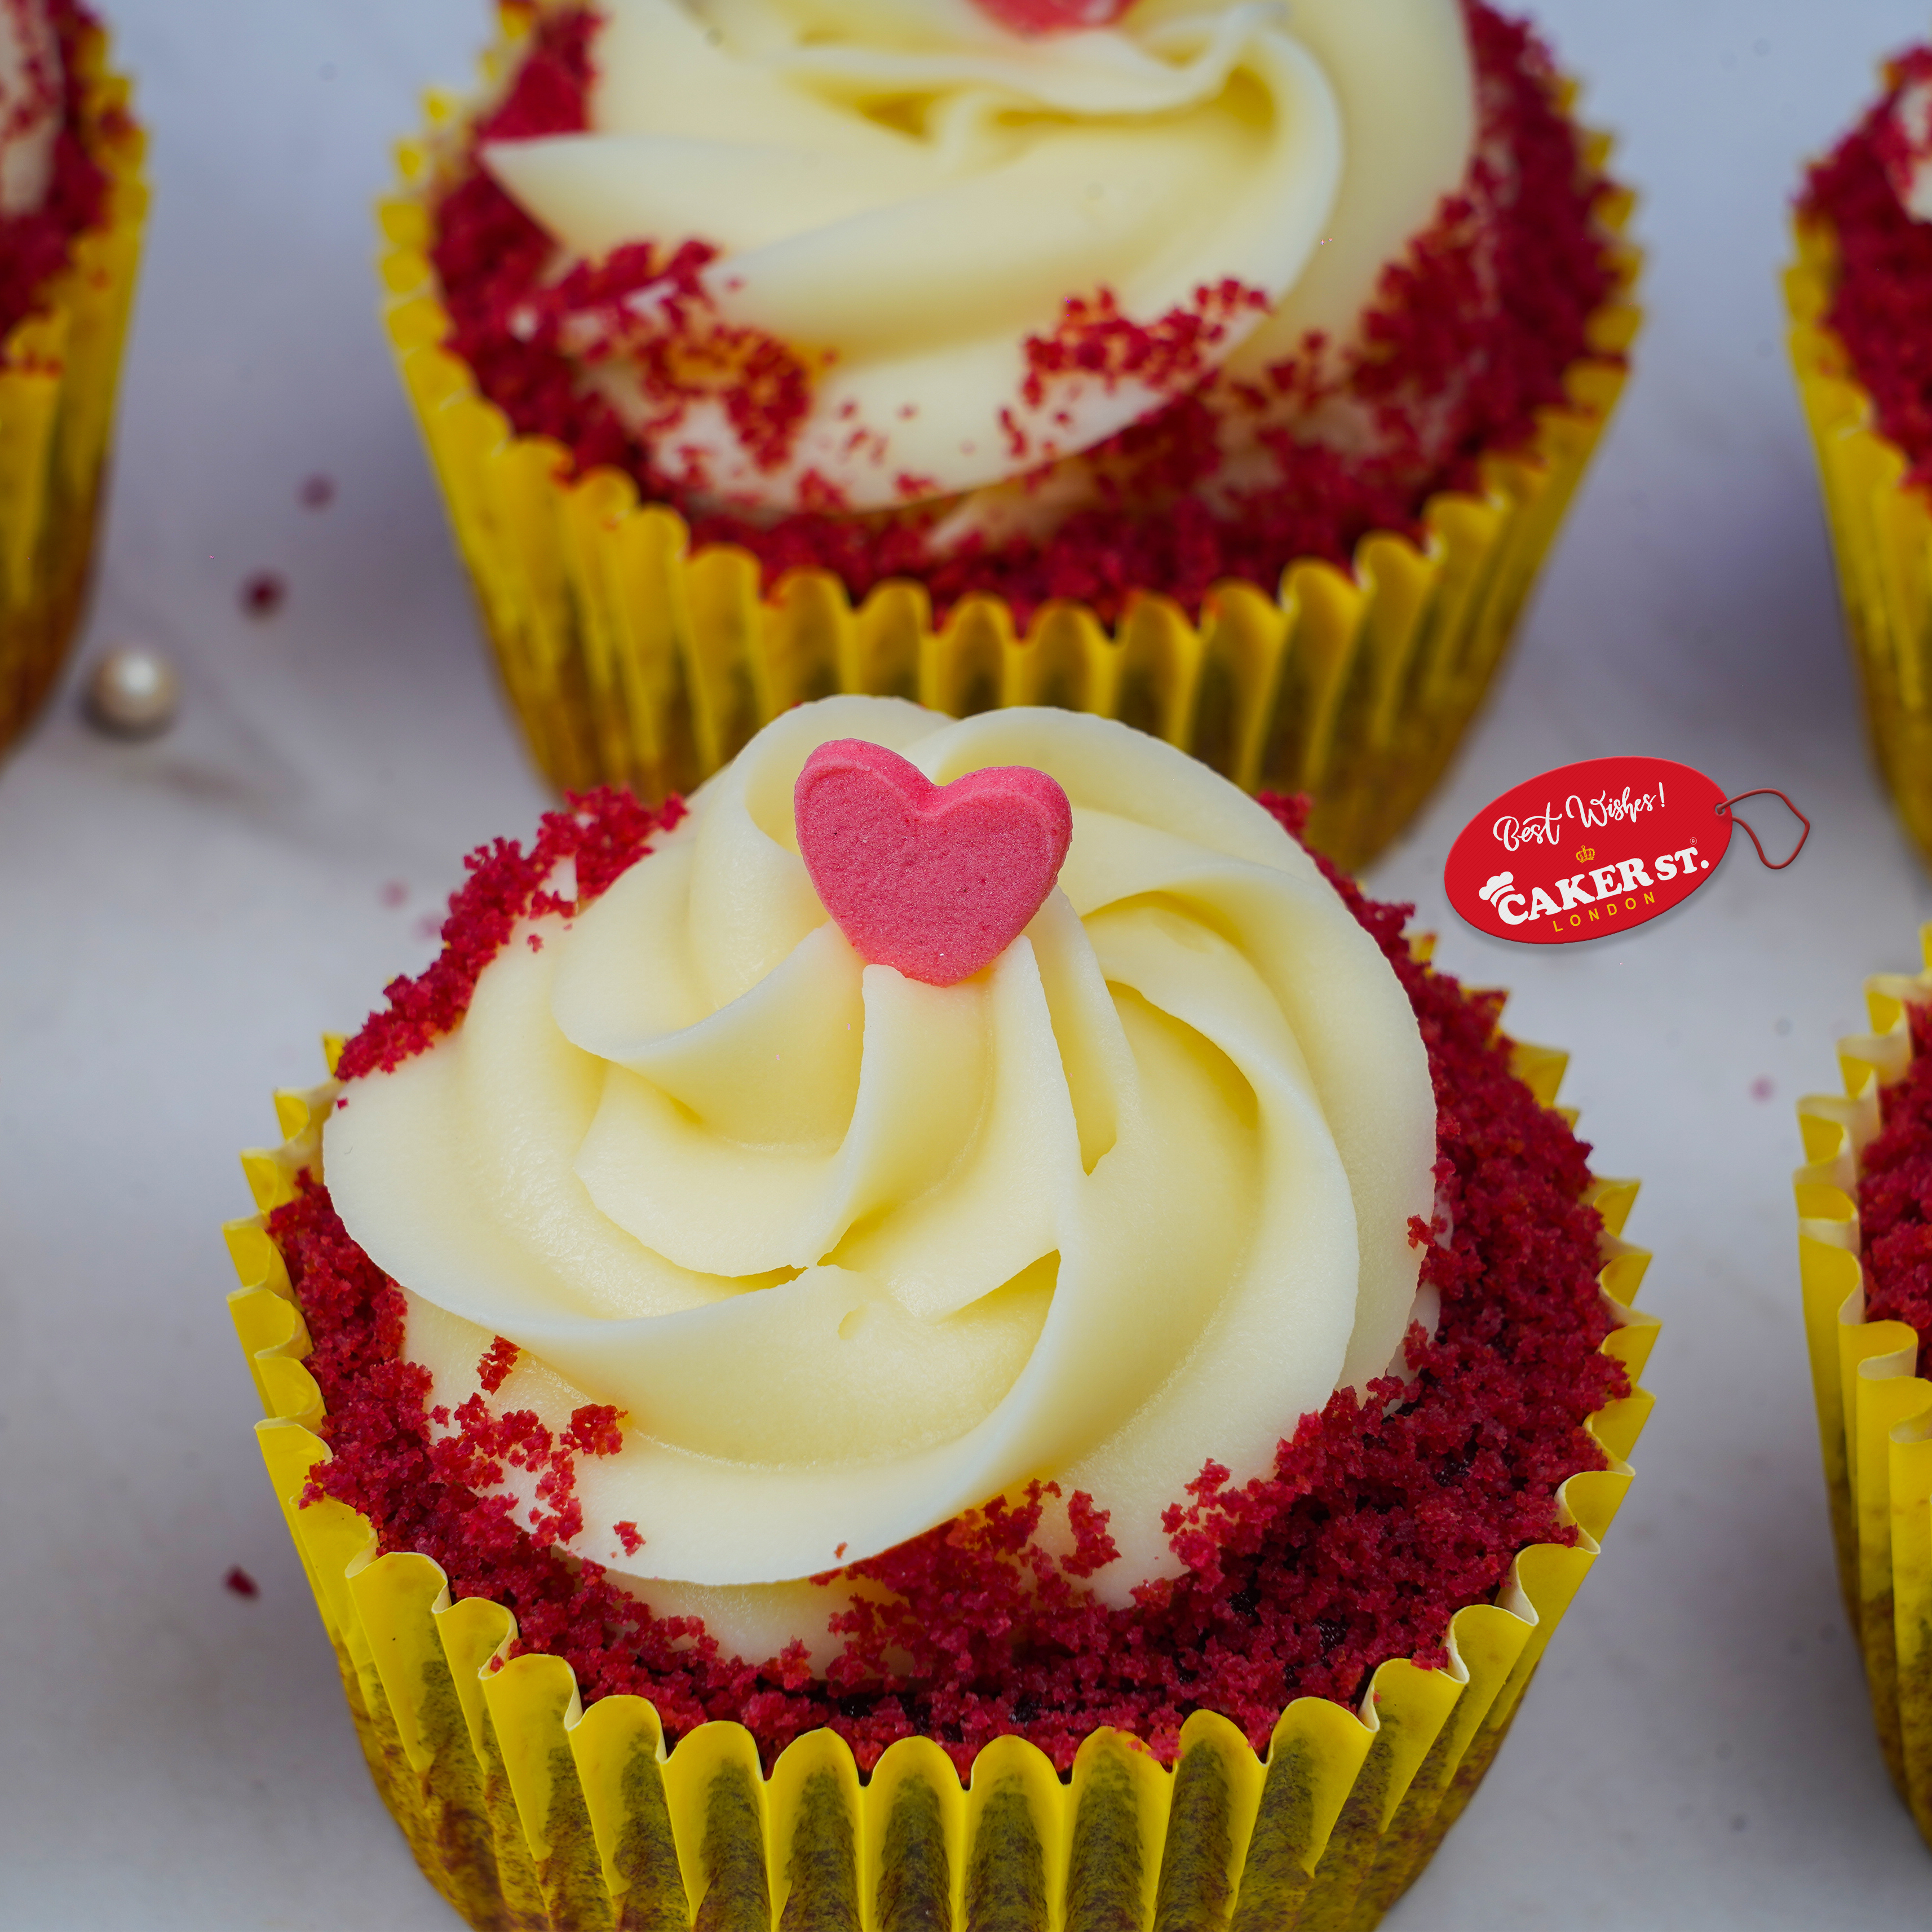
178	921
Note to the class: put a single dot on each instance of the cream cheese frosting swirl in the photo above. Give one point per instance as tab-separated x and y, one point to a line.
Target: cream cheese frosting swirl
854	1254
907	194
32	96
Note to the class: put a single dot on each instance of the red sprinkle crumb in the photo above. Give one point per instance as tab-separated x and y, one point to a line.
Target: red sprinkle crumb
240	1583
318	492
605	833
626	1533
394	892
263	594
594	1430
1094	338
1469	339
1376	1522
499	1359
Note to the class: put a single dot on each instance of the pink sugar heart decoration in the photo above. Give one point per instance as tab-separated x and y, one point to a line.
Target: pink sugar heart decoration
938	881
1054	16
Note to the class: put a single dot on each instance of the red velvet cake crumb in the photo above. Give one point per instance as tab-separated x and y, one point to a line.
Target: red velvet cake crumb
499	1359
1094	338
1895	1199
34	247
264	593
1878	303
1470	334
552	82
594	1430
602	833
1376	1523
238	1583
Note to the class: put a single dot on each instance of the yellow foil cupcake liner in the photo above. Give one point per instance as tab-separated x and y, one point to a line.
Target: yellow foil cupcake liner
57	371
632	661
527	1810
1881	537
1874	1410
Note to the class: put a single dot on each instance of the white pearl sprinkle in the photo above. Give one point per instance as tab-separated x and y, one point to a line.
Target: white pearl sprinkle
133	693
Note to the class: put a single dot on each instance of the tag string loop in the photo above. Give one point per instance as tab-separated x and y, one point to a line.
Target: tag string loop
1723	810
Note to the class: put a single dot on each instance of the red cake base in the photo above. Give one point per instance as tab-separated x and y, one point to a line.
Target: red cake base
1378	1523
1895	1199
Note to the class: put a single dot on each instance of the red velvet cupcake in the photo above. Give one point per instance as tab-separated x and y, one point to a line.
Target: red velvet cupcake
1224	374
72	203
1189	1334
1865	1206
1863	359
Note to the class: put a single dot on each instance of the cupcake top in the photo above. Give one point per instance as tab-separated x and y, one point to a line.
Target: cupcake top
958	290
1374	1520
846	1254
971	248
1873	194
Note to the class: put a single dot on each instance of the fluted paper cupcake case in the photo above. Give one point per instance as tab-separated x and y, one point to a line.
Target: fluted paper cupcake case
630	661
57	371
1874	1410
526	1809
1881	531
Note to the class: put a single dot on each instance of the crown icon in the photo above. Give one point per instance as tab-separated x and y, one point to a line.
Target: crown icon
1586	852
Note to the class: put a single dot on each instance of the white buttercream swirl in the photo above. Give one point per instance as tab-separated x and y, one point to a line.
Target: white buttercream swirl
905	192
32	96
855	1254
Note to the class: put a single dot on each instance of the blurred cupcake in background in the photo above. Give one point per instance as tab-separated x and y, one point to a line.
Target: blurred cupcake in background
1864	1241
72	202
1859	295
1220	369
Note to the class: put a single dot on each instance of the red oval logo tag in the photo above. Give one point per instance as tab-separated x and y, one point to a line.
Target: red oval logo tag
1588	851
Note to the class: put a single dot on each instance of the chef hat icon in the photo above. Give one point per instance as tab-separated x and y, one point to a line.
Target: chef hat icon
1497	884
